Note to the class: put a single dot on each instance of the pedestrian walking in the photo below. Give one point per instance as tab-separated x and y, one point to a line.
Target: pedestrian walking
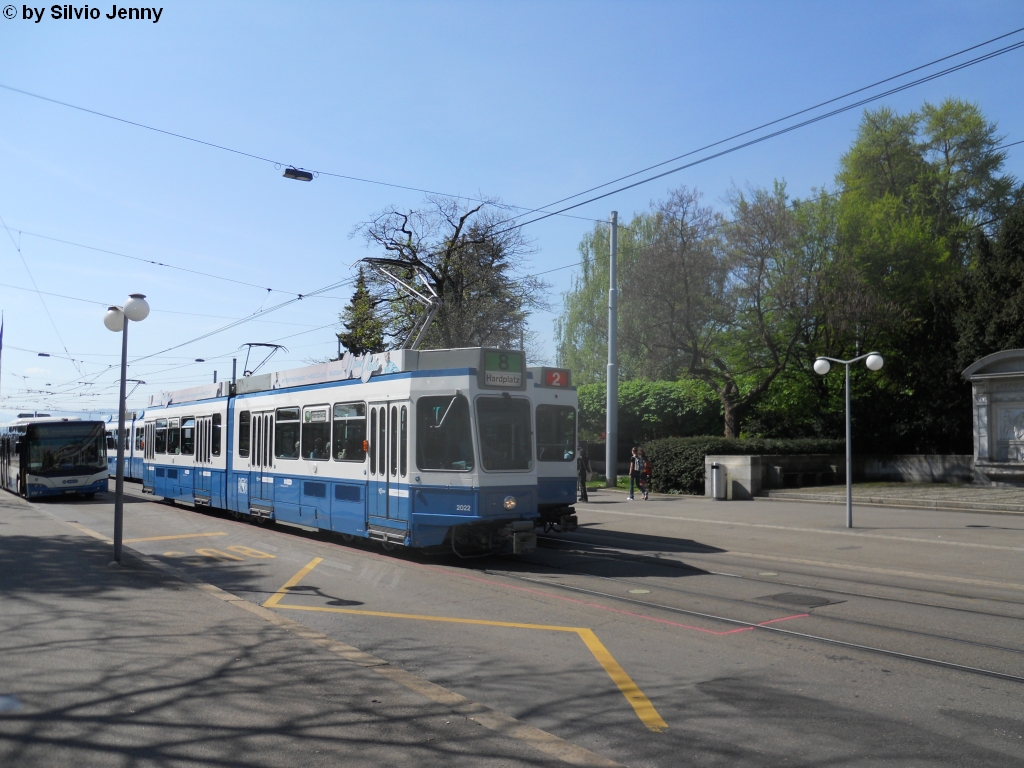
583	471
646	470
635	471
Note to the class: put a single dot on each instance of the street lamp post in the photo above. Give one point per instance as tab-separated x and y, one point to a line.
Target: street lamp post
116	319
822	365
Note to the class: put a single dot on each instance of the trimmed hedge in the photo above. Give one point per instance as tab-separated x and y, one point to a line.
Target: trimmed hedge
679	461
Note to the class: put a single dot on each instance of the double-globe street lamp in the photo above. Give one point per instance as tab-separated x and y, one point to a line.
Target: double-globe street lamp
116	319
823	365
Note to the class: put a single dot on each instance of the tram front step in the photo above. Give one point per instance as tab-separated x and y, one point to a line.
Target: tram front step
387	535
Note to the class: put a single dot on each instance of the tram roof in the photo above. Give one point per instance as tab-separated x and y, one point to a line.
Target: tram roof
348	367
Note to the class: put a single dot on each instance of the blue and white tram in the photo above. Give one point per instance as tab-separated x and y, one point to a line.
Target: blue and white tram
133	447
429	449
556	418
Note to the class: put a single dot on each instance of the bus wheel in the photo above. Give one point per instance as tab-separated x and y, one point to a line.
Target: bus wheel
88	496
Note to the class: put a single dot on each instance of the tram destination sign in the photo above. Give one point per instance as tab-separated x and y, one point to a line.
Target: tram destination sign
502	369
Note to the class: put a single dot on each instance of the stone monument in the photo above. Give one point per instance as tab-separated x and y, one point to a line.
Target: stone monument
997	384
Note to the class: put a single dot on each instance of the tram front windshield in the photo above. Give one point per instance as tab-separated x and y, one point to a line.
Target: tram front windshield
67	448
556	433
443	439
504	424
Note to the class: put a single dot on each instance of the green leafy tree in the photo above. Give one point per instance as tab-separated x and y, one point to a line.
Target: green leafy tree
990	316
914	191
650	410
581	330
364	329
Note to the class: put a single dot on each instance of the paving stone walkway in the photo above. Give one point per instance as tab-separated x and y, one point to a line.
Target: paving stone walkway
917	495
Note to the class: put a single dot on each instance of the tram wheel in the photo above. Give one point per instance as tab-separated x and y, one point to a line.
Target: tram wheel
236	515
388	545
348	538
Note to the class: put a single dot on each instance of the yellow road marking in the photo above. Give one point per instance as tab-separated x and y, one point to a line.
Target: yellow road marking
174	554
216	554
276	597
418	617
641	704
91	532
885	571
250	552
178	536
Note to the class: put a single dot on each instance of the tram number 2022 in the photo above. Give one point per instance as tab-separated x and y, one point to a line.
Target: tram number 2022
463	508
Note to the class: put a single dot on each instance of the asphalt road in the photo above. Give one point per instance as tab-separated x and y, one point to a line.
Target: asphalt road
670	632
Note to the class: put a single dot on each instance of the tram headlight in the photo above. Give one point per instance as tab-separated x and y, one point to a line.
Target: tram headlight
510	502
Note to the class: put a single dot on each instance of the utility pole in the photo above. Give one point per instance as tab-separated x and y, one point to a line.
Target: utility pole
611	447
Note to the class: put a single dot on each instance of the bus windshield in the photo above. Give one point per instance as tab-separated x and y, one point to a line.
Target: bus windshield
66	448
504	424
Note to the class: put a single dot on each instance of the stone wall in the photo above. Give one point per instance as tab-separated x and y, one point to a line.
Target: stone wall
750	476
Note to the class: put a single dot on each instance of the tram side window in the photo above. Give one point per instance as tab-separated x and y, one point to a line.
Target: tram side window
556	433
373	430
140	440
443	437
174	436
160	442
404	441
505	438
188	435
111	441
286	433
243	433
215	440
316	433
349	432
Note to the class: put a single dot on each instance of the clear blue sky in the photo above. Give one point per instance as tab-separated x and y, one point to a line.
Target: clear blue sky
526	101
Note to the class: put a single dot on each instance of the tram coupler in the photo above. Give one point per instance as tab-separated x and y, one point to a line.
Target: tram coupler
523	538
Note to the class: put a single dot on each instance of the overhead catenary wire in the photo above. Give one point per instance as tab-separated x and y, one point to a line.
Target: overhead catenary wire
17	247
783	119
552	213
276	163
788	129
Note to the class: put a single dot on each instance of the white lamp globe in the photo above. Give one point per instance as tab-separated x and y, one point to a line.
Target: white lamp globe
136	309
114	319
822	366
874	362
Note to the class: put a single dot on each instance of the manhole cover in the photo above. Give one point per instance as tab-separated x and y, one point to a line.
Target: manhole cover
802	601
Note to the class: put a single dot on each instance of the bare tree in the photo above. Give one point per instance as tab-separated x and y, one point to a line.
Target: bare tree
471	256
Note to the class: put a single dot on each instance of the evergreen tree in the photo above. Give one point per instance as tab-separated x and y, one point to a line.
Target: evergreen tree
364	330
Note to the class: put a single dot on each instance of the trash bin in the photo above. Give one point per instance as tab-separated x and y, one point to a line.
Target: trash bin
718	478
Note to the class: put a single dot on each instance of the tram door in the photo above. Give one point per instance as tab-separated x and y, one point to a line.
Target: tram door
204	475
389	461
261	459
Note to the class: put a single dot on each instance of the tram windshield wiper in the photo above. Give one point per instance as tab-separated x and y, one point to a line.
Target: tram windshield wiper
454	398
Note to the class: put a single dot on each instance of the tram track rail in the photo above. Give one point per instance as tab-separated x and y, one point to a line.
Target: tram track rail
772	628
612	554
756	604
